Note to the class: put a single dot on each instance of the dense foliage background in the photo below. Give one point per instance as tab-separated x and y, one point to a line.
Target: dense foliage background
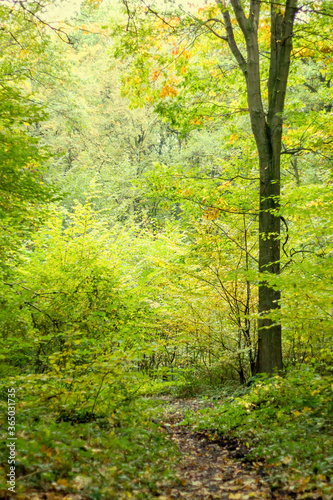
129	243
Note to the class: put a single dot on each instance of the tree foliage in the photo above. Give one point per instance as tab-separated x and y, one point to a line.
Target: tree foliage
145	274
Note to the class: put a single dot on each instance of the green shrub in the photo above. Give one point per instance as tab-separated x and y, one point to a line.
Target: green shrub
110	456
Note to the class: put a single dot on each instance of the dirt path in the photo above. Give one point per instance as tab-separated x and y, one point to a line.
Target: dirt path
210	467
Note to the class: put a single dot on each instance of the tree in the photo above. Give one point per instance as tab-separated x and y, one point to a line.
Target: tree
24	192
267	131
114	148
241	25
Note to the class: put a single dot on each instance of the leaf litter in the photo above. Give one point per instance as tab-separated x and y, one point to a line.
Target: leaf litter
210	467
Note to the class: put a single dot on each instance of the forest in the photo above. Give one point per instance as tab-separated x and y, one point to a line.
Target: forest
166	249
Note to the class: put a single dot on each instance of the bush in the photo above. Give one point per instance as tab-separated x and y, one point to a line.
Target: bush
106	456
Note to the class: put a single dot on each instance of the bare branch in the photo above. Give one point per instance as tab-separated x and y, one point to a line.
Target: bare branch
235	242
214	32
149	9
58	31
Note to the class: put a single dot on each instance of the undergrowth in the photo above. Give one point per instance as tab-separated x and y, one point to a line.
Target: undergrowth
100	456
288	422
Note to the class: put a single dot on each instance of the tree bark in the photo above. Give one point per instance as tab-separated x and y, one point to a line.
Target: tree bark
267	131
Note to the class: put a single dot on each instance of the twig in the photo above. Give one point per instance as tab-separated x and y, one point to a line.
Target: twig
160	425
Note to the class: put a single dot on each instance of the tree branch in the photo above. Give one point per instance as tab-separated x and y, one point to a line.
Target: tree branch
214	32
240	16
231	39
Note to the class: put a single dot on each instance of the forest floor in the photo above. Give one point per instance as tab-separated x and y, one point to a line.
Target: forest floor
213	467
210	468
210	465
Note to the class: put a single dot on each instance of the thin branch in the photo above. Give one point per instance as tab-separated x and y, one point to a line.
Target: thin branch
224	210
58	31
216	34
205	23
287	235
149	9
42	312
235	242
227	179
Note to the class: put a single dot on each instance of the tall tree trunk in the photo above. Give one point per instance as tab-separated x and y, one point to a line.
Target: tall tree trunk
267	131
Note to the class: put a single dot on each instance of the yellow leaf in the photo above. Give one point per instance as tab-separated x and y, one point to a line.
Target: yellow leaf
168	90
233	138
155	75
63	482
